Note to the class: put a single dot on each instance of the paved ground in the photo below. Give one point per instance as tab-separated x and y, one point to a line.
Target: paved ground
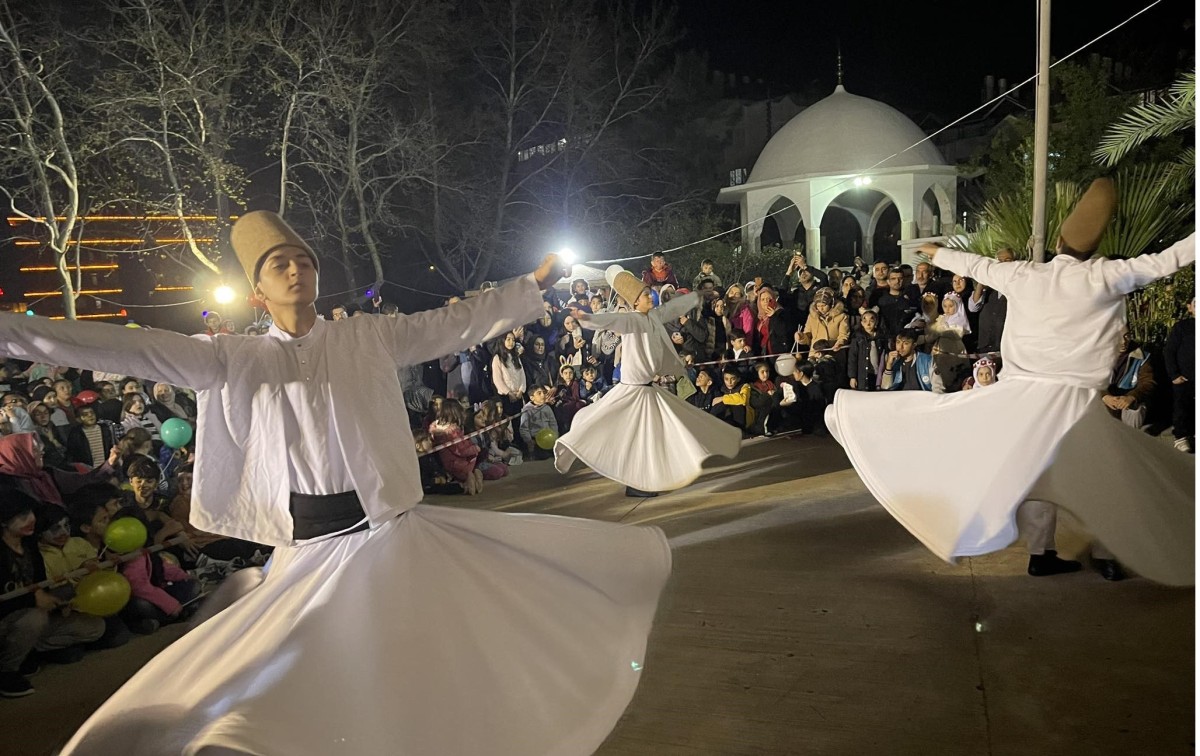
800	619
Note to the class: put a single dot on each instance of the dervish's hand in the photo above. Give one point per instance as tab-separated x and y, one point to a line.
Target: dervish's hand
1180	380
551	270
927	249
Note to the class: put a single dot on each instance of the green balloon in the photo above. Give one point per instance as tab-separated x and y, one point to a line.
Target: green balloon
102	593
175	433
125	535
545	438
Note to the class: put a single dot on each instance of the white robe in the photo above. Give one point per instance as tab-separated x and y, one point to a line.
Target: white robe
437	630
641	435
1043	432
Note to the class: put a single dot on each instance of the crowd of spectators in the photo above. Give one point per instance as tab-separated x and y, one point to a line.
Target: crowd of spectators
79	449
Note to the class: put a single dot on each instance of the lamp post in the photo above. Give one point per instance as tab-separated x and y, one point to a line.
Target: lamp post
1041	134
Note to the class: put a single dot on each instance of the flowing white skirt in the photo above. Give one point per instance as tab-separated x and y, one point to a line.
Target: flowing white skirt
645	437
444	631
954	468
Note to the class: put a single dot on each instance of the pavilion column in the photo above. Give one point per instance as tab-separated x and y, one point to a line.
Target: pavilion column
908	229
812	251
751	236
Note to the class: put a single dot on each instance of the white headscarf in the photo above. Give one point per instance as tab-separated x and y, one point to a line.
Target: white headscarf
958	320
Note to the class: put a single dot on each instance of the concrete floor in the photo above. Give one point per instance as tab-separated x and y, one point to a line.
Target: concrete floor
801	619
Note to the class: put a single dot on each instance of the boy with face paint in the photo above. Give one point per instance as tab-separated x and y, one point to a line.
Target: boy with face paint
298	449
32	621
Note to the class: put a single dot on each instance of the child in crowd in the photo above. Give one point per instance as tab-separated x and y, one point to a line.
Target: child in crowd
134	414
461	458
63	553
160	587
32	621
497	443
830	371
733	404
434	478
804	402
592	385
89	441
763	400
155	507
535	416
704	394
567	398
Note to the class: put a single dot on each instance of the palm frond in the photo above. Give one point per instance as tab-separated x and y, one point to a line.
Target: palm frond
1146	213
1146	122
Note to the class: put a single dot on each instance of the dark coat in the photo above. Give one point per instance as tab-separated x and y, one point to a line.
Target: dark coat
78	449
858	364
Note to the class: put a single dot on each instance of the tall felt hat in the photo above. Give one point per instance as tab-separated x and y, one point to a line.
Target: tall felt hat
259	233
624	283
1082	229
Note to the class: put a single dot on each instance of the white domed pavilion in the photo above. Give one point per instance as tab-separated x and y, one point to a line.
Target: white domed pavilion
846	160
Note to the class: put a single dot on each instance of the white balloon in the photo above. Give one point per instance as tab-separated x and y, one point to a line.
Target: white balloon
611	272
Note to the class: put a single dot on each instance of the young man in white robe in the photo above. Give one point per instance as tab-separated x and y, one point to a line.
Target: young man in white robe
1053	441
642	436
383	625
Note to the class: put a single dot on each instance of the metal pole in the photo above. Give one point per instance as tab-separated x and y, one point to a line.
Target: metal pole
1041	134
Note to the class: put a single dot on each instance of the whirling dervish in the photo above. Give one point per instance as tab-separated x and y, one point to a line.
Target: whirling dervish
638	434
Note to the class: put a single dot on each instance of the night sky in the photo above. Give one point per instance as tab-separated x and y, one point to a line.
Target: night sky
922	56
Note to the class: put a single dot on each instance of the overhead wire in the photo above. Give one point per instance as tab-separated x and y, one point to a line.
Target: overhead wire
918	143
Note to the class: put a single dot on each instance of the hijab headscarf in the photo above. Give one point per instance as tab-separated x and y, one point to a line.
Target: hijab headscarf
21	421
173	406
767	306
983	362
18	460
959	319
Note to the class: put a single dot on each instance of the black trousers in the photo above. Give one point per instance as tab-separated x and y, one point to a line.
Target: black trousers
1183	415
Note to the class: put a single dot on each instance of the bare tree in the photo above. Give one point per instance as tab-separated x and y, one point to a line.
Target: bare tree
351	140
558	87
38	159
166	106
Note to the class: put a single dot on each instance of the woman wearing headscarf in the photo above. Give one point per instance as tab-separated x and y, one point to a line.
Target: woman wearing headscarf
166	405
22	458
773	333
52	437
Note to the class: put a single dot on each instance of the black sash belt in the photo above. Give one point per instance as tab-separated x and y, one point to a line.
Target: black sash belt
314	516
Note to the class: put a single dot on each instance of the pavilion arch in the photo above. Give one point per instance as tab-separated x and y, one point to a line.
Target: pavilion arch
845	144
788	221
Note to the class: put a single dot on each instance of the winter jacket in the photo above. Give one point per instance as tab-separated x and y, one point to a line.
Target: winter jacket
833	327
859	365
148	574
459	459
534	419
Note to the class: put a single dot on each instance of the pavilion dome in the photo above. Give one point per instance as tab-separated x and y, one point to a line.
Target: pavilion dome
841	134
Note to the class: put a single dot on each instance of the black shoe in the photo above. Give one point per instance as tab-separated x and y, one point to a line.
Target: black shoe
1041	565
631	491
14	685
68	655
1110	569
31	666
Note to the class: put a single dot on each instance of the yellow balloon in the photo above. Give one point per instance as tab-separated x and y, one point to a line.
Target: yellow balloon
102	593
167	556
132	325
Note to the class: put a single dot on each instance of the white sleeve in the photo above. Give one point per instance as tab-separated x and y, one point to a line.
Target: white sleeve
163	356
1125	276
985	270
422	336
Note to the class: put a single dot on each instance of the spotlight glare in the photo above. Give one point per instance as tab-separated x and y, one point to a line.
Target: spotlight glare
223	294
567	256
866	179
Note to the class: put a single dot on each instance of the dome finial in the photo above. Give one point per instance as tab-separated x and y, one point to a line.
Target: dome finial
839	68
